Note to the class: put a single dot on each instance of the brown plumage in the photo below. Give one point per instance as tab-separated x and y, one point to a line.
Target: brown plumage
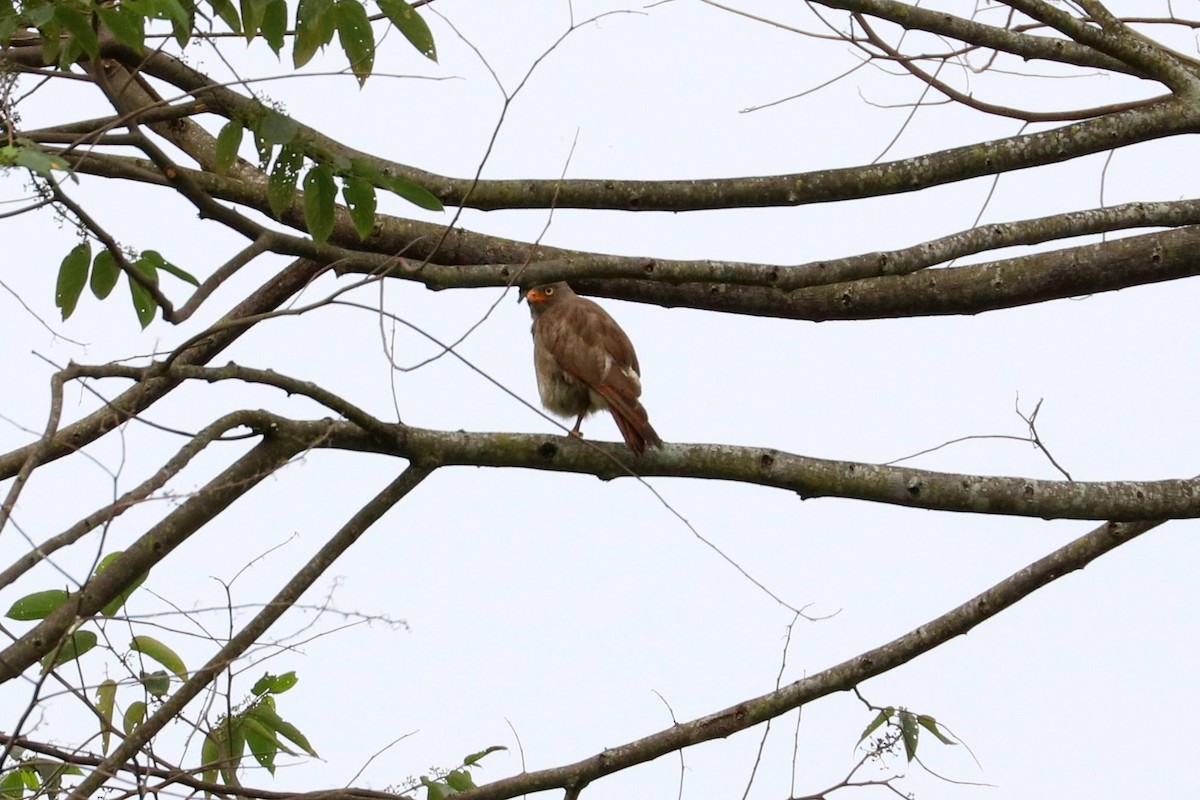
585	362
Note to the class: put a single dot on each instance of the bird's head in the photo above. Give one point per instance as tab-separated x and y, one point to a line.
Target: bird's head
546	295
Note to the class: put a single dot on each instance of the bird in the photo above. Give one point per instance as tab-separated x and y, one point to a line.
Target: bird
585	363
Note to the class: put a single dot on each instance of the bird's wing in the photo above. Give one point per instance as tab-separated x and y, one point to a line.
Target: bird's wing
587	344
593	348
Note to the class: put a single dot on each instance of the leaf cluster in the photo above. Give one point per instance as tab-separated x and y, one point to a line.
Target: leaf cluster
257	728
71	29
453	781
33	776
105	270
909	726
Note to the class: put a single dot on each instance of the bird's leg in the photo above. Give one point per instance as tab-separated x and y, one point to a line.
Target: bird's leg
575	431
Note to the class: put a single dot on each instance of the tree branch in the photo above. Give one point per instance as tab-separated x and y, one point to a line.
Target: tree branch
133	401
119	506
839	678
1112	131
283	601
808	477
266	457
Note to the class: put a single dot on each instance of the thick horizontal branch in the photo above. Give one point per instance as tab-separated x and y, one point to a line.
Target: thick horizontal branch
1111	131
470	259
807	477
1037	278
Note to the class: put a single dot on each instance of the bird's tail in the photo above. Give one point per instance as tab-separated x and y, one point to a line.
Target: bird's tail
632	420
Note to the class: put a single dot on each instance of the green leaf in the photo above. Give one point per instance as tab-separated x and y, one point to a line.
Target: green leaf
12	785
274	24
104	274
237	741
277	128
410	191
38	605
460	780
49	775
72	277
267	715
51	40
264	148
181	23
39	162
157	683
473	759
406	18
143	301
227	13
210	753
320	196
414	193
179	272
909	730
39	14
153	648
262	743
356	37
359	194
134	716
75	645
880	718
70	51
252	17
117	602
315	25
290	732
33	159
930	724
126	25
275	684
281	185
437	790
79	27
30	778
106	701
8	26
229	139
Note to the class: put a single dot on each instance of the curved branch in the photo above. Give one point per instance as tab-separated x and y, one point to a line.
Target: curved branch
1113	39
912	17
932	81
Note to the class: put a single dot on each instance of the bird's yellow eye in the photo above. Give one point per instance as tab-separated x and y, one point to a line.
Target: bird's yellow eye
549	290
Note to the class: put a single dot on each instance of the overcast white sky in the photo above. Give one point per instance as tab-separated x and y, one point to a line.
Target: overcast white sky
561	604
